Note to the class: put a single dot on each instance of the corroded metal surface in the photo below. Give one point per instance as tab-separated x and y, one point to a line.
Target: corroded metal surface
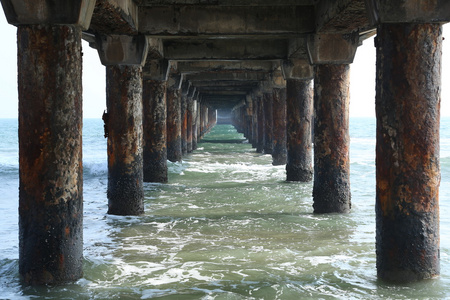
279	127
407	152
155	131
331	190
299	122
173	99
125	139
50	151
268	122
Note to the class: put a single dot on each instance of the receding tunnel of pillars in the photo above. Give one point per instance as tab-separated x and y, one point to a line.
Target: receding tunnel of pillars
159	116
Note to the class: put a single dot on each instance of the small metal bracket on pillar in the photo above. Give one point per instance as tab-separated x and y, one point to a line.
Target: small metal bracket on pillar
173	98
50	137
299	106
332	54
154	120
279	152
409	57
124	57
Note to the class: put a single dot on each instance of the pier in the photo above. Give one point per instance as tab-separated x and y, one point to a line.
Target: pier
279	70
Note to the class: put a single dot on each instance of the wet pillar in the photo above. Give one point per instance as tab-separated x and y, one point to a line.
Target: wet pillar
50	139
407	151
331	190
173	98
125	140
184	104
189	119
332	55
154	123
254	122
261	120
123	57
268	120
195	120
279	153
299	122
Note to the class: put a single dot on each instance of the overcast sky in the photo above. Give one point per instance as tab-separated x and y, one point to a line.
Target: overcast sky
362	102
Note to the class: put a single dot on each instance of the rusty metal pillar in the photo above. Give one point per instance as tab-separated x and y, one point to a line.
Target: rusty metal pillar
195	120
268	117
409	57
279	153
154	122
189	119
407	152
173	98
50	139
331	189
254	121
123	57
184	105
299	100
261	120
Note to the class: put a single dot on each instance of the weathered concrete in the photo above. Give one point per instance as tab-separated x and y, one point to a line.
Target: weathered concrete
173	98
407	152
155	131
213	20
125	140
299	124
279	153
122	49
50	154
331	190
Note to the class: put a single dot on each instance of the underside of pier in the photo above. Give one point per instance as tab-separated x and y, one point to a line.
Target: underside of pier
277	70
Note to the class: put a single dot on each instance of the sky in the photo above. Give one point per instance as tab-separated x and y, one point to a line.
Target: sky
362	76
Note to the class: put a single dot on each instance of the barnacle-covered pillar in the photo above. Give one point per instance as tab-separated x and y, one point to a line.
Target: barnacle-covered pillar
124	57
299	98
50	138
331	189
154	121
173	98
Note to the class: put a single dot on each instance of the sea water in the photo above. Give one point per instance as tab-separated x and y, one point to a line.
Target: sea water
226	226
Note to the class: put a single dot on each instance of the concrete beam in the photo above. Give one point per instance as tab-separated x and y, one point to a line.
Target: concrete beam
229	76
225	49
297	69
342	16
156	70
33	12
122	49
115	17
202	66
332	48
411	11
225	2
213	20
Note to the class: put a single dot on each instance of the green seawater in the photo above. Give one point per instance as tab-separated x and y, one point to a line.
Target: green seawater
228	226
